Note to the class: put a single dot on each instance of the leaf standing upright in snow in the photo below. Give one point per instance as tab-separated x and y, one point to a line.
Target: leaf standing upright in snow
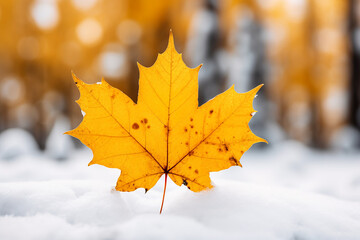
166	132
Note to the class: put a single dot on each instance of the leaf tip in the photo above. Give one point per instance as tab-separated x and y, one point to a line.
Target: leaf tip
264	141
171	44
254	91
258	87
76	79
139	65
71	132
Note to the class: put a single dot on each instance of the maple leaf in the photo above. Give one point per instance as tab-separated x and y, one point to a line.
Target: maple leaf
165	132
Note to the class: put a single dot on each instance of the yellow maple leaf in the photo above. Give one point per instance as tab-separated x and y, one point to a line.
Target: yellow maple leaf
166	132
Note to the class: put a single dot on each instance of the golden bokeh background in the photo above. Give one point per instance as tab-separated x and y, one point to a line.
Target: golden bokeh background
306	52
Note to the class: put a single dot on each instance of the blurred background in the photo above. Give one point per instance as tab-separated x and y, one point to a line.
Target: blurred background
307	52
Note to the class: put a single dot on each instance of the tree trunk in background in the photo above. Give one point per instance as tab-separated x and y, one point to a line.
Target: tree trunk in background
202	48
309	77
354	32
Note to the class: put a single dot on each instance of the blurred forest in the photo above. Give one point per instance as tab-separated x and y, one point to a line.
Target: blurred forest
307	52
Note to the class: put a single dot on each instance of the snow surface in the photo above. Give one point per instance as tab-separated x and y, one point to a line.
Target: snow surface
286	191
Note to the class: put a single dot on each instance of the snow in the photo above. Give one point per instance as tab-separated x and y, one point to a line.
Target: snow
16	142
286	191
58	145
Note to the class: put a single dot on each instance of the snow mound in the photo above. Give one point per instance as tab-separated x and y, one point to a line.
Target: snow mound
90	210
287	192
16	142
58	145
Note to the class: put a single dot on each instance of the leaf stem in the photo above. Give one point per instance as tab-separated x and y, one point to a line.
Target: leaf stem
163	198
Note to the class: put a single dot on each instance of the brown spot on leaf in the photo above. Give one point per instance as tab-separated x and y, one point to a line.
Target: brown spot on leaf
196	132
185	182
226	147
142	121
189	167
191	119
211	111
145	120
185	129
135	126
148	126
113	96
233	159
76	82
192	126
196	171
146	190
220	150
187	143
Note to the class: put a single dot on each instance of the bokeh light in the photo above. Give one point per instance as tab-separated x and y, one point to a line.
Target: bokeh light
89	32
305	52
45	14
